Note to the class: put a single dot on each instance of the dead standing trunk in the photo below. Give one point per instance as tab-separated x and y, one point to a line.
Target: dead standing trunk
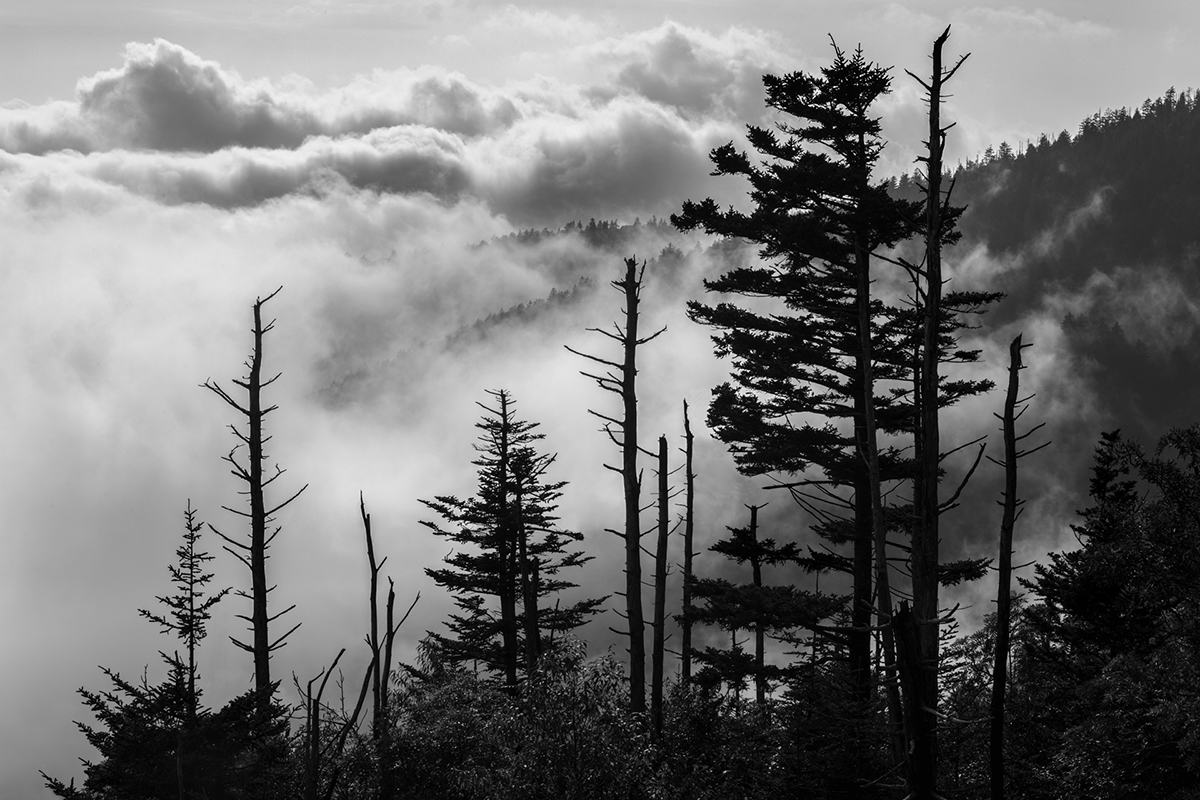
1012	510
622	380
688	534
660	592
254	554
760	638
927	452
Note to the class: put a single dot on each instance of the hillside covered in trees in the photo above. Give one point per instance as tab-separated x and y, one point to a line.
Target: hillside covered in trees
813	653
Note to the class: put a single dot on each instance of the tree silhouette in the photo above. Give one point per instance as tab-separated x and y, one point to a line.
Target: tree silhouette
157	740
250	471
189	609
621	379
812	360
1012	509
514	553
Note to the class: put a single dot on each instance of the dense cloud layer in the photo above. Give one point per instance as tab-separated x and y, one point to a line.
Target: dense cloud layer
176	128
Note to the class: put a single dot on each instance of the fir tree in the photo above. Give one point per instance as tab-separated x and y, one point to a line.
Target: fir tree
190	610
513	551
157	740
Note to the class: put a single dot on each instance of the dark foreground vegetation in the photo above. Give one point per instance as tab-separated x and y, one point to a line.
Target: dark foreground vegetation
1084	684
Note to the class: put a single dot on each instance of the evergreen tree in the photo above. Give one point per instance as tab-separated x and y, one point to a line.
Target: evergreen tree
762	609
513	552
1113	643
157	740
190	610
810	362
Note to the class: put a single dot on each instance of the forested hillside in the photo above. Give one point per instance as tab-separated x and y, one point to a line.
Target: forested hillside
1099	229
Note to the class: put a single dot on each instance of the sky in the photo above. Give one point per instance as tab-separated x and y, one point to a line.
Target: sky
162	164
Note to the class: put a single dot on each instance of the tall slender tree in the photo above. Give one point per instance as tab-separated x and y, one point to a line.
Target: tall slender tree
621	379
658	651
1012	509
810	364
249	470
939	220
689	533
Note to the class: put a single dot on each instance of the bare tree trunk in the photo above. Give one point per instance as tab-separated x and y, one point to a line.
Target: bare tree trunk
660	592
626	387
859	647
633	488
927	450
688	534
254	554
760	678
384	739
1004	582
373	635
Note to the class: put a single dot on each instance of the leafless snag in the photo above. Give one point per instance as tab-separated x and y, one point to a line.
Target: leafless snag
660	591
620	378
921	690
1012	510
688	537
250	471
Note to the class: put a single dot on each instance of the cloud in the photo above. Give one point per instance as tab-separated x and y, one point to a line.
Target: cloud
569	28
175	128
691	70
121	305
166	98
1038	22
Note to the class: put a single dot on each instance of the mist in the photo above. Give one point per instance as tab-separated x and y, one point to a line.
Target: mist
141	220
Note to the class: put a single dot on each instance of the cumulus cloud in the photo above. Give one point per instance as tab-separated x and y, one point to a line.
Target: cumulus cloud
166	98
693	71
178	129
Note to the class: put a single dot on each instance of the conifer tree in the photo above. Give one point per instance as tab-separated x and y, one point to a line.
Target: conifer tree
760	608
158	740
811	363
1012	509
189	609
513	551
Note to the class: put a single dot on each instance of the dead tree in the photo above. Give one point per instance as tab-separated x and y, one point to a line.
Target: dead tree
250	471
1012	510
376	680
688	536
380	669
660	592
621	379
927	450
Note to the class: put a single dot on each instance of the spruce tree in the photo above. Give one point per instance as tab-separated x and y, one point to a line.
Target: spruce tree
513	551
189	608
804	368
158	740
